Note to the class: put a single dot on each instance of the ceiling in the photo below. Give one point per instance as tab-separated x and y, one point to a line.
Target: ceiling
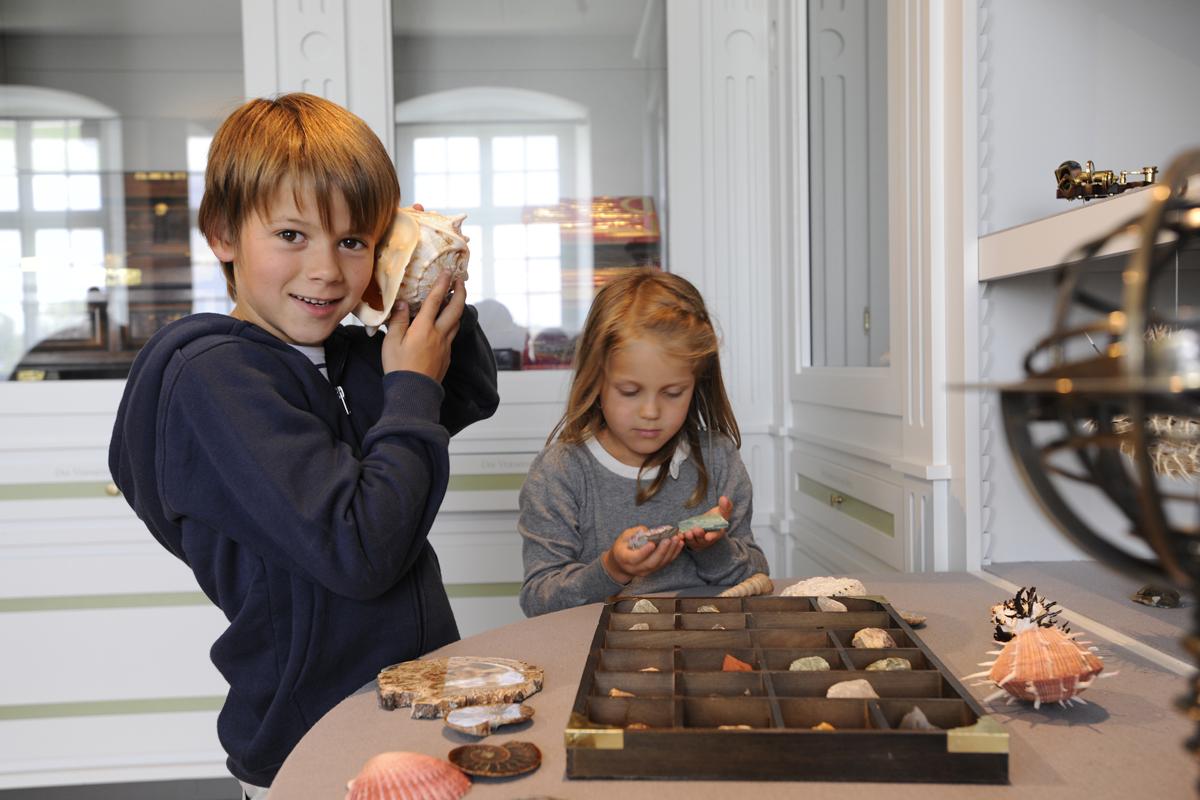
409	17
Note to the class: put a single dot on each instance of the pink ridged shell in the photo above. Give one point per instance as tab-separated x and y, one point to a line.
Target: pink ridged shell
407	776
1043	665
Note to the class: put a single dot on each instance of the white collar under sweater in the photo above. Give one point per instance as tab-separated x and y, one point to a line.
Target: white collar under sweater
610	462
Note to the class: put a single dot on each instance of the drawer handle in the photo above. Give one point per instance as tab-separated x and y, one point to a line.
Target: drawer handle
111	490
836	499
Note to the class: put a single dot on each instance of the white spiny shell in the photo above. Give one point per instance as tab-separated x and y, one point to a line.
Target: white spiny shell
407	776
423	245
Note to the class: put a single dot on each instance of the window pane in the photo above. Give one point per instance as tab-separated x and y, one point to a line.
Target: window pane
8	147
10	199
50	193
545	275
508	189
517	306
541	152
541	189
542	241
545	310
83	155
462	154
84	192
197	152
429	155
508	241
462	191
510	276
49	147
508	153
430	191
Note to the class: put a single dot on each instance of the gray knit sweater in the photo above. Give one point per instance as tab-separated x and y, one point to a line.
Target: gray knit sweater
573	508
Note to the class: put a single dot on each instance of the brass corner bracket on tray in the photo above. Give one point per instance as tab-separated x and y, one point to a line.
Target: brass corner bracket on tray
985	736
579	734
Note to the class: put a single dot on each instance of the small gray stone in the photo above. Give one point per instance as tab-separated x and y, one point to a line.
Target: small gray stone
809	664
916	720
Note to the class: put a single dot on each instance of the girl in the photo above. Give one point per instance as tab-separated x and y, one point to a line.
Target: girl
648	439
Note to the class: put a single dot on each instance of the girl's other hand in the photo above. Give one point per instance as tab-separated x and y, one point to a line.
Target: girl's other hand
698	539
624	564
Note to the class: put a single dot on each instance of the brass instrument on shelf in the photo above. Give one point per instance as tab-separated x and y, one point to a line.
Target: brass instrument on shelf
1075	182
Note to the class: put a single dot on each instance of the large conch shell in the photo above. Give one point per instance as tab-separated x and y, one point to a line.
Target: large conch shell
423	245
407	776
758	583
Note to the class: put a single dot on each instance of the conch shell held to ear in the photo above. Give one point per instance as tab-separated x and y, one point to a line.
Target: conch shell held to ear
423	245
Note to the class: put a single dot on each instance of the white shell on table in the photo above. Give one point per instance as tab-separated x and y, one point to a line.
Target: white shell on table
851	689
825	587
407	776
423	245
482	720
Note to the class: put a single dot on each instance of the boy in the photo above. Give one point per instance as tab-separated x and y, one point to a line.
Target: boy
296	465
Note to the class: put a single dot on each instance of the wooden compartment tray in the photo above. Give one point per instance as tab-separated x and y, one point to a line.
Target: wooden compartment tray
670	726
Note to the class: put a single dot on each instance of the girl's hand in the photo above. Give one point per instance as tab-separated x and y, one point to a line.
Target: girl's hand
624	564
423	344
698	539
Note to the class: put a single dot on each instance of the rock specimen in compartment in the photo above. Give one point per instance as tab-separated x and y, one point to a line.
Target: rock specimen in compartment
809	664
889	665
640	626
731	664
829	604
916	720
873	638
615	692
823	726
644	606
707	609
851	689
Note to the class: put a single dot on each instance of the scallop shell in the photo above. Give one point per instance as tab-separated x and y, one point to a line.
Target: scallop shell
825	587
423	245
758	583
407	776
1044	665
497	760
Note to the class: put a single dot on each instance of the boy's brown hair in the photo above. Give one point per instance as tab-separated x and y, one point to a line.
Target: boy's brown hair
306	142
649	304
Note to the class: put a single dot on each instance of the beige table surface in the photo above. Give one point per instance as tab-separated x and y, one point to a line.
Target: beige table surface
1126	743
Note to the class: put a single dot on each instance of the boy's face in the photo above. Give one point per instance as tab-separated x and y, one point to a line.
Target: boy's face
295	279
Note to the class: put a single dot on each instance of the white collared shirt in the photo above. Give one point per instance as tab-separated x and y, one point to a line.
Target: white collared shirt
610	462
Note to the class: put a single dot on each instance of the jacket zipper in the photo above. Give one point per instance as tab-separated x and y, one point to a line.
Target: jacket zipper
341	393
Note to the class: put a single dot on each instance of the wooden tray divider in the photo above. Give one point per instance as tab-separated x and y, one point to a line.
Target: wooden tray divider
877	716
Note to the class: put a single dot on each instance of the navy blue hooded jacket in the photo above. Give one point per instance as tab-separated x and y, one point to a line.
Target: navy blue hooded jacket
305	524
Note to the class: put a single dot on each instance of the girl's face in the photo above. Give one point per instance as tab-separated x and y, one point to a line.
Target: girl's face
644	399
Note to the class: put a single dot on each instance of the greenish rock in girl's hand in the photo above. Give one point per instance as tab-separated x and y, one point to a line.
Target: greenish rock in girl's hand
705	522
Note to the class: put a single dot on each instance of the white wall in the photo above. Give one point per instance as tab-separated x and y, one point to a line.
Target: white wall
165	87
599	72
1106	80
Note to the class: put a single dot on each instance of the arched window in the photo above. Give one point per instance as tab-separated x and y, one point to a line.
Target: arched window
517	163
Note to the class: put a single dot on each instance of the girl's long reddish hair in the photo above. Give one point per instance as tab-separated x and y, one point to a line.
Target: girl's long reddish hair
640	304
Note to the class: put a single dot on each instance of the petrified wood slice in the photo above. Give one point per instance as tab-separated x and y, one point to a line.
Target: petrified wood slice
437	685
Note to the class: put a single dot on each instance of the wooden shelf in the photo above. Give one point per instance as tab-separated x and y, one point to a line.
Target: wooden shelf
1049	242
